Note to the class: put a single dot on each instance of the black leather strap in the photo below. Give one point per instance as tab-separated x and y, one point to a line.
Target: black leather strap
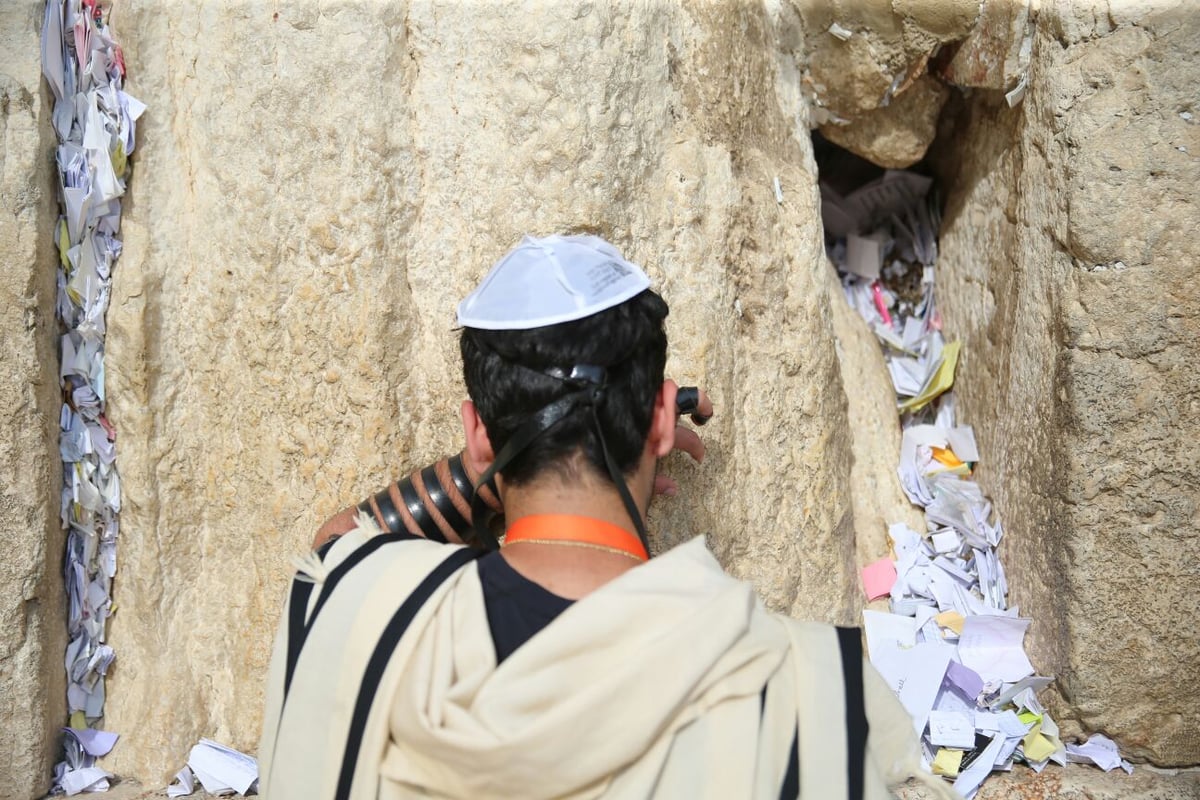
392	523
687	401
420	515
442	502
534	427
622	488
458	474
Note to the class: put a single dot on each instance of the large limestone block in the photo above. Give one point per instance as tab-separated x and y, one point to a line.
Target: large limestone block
315	188
1131	372
1069	257
897	135
877	496
32	621
996	52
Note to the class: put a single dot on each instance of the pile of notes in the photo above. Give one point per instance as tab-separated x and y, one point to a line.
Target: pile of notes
95	125
950	647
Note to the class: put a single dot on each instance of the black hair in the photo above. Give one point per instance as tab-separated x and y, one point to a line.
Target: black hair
503	373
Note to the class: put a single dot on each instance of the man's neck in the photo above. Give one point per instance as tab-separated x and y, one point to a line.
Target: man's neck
570	572
553	497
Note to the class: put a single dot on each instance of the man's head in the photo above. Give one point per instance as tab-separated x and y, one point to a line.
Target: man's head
505	369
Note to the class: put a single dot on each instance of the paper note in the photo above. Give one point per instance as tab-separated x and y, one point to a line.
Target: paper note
1034	682
946	541
965	679
923	668
1036	746
962	442
942	379
864	255
1098	750
183	785
993	647
94	742
888	632
220	768
947	762
951	729
952	620
1004	722
88	779
878	578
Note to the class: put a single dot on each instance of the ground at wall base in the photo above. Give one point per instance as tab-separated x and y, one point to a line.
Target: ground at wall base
1072	783
1078	782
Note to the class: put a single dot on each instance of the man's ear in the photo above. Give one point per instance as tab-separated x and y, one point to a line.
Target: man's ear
479	445
664	417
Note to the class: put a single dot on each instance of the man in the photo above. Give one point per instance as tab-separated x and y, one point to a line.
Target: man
567	663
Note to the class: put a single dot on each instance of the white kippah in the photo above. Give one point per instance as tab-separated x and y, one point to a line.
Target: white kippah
551	280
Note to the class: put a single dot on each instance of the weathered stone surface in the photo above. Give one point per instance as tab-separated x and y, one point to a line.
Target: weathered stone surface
1080	783
947	20
898	134
996	52
869	86
874	434
32	626
1069	256
281	341
315	187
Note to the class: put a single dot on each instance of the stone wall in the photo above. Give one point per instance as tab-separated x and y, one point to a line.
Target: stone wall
1069	268
32	621
317	184
315	188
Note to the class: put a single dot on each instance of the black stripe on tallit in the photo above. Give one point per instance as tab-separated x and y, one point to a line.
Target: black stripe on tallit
791	778
297	606
298	628
850	644
382	655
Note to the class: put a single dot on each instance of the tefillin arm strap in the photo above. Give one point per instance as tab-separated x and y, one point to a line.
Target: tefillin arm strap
589	381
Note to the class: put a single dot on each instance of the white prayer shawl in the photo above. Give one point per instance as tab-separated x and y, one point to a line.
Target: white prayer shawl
651	686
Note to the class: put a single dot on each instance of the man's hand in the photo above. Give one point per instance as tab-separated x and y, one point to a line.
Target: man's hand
687	441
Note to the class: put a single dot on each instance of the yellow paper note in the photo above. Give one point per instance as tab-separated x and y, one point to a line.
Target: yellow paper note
119	159
1028	718
1037	747
945	456
64	244
78	721
942	380
952	620
947	762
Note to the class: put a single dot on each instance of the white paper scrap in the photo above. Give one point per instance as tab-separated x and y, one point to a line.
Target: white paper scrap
993	647
220	768
88	779
951	729
184	784
1098	750
962	442
840	32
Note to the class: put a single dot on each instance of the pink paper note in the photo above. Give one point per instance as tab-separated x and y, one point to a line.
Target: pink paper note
878	578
